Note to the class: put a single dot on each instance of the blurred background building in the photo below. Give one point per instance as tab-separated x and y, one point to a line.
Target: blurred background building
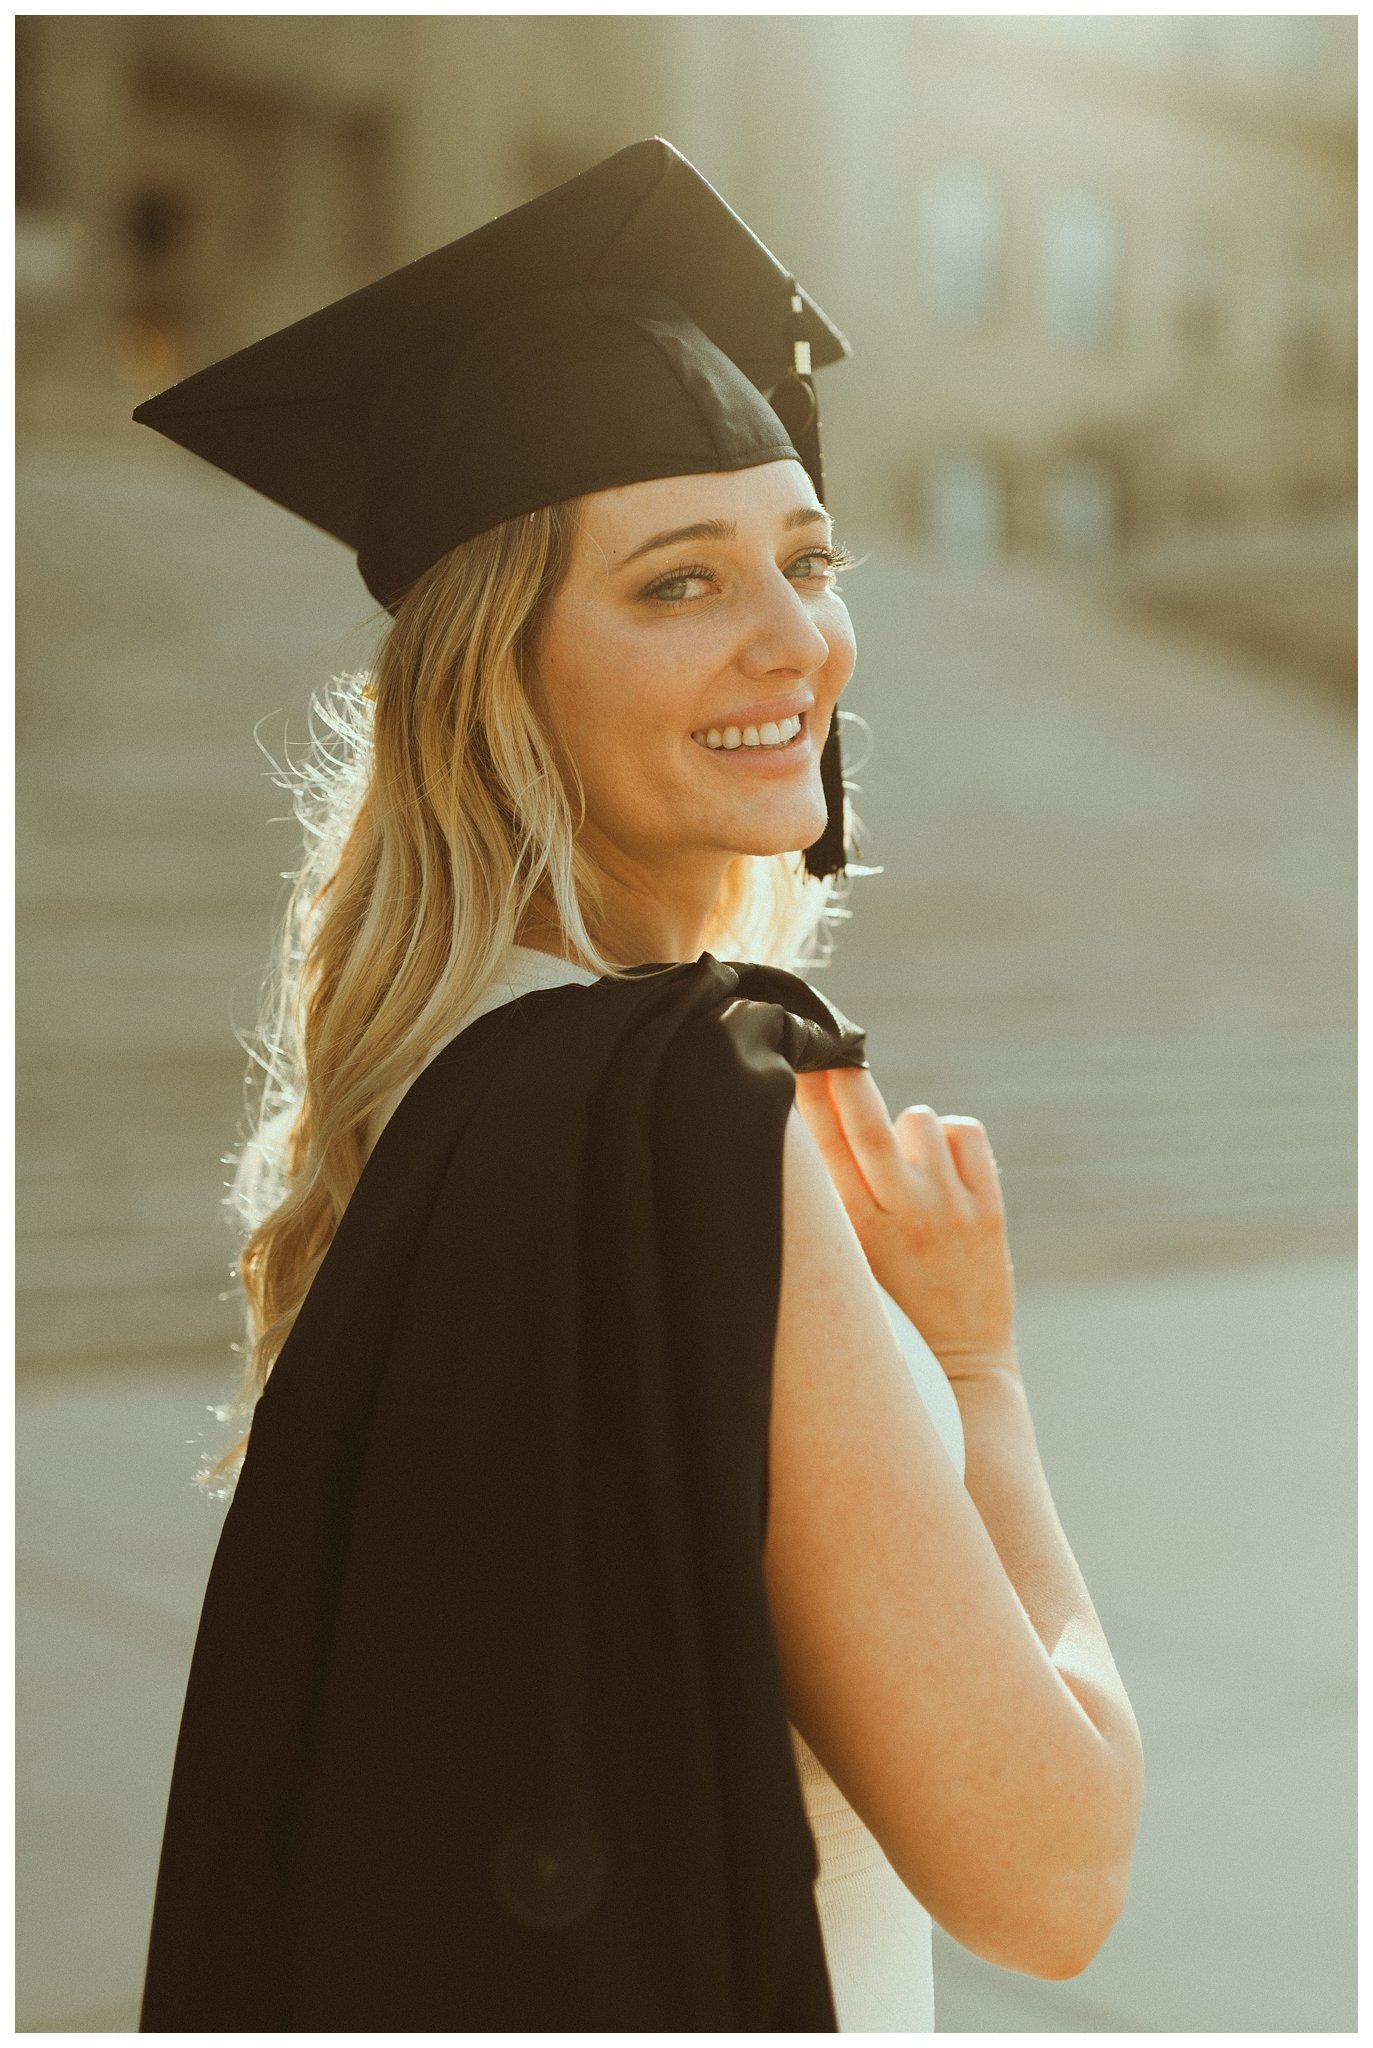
1097	443
1100	268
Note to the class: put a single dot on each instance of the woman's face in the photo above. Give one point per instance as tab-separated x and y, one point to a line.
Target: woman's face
693	605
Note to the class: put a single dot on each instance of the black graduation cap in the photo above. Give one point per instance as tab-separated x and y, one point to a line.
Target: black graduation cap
623	326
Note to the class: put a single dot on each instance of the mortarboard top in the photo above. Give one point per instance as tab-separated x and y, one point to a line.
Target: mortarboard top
623	326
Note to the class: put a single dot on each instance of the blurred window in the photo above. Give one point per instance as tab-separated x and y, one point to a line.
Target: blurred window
1306	343
157	220
1082	507
366	146
963	234
1201	297
966	504
1081	255
34	169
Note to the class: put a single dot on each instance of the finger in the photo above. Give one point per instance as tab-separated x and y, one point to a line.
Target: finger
816	1104
920	1135
971	1151
813	1101
868	1128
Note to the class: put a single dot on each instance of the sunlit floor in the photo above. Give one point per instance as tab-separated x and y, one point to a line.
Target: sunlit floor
1198	1432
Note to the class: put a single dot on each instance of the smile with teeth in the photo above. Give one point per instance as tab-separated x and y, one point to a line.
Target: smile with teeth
780	735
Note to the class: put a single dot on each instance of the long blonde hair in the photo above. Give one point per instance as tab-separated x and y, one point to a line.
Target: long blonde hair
433	812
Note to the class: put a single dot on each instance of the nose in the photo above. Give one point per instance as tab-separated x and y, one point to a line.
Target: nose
783	638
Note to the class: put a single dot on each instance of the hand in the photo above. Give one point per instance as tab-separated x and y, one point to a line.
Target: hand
924	1196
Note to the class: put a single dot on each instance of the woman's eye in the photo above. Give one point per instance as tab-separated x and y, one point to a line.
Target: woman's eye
831	560
669	590
817	565
674	590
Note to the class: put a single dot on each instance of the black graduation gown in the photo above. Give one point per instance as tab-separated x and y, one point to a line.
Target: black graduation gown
485	1726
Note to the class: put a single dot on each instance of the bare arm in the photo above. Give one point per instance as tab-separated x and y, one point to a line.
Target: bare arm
938	1646
1006	1481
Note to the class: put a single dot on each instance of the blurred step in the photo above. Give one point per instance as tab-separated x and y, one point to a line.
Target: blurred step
132	1322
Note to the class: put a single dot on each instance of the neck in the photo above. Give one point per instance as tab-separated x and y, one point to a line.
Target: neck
638	923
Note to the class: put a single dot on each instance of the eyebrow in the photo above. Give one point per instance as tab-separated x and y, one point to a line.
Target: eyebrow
720	529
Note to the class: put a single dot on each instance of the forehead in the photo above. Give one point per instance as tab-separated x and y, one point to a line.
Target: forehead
615	522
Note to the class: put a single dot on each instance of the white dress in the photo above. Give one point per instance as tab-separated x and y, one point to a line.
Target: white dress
877	1935
878	1938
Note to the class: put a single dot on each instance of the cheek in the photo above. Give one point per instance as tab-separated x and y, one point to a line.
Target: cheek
611	692
577	669
631	685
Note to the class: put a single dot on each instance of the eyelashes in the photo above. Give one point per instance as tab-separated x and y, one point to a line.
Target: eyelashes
834	557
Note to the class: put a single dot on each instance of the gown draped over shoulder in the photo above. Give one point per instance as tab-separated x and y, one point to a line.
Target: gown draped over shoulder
877	1935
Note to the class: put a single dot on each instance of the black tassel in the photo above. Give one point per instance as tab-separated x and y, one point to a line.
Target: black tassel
827	856
795	404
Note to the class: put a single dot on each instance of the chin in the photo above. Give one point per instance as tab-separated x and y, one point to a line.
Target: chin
764	846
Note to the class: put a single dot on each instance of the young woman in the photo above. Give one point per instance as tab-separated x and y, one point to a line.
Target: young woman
616	1356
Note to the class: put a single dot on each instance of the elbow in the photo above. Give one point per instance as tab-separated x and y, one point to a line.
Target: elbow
1044	1928
1049	1936
1080	1930
1046	1918
1046	1906
1088	1896
1089	1899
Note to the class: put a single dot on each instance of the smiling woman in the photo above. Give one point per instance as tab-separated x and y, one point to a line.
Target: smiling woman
601	1637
